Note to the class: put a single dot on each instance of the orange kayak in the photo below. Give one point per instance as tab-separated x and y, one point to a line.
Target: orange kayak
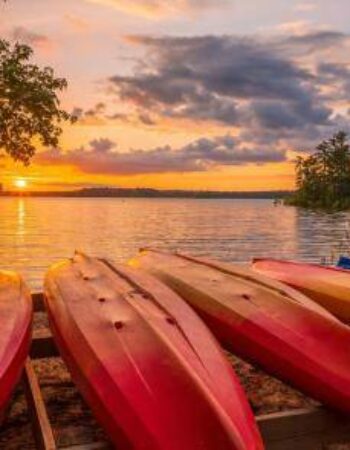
15	332
328	286
149	368
263	321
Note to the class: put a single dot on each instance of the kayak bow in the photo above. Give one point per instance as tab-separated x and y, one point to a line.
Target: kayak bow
145	363
328	286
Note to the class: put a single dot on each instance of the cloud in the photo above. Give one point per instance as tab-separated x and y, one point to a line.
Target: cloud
29	37
102	145
186	68
146	119
337	77
274	115
77	23
103	157
296	27
206	77
310	43
98	115
154	9
305	7
262	86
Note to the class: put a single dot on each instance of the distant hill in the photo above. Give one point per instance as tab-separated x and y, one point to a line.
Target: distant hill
152	193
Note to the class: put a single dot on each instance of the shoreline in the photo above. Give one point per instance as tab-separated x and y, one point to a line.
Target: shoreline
149	193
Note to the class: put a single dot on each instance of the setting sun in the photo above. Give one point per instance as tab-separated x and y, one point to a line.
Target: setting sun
20	183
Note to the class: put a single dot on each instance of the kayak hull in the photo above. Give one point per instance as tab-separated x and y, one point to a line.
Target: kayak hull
267	323
328	286
147	366
15	324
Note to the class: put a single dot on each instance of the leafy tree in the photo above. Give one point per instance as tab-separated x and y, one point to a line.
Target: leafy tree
29	105
323	178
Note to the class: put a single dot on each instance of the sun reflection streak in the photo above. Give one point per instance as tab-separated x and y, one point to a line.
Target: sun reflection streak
21	217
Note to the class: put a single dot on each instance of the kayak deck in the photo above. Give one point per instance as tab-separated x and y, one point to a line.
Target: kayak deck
274	328
15	331
305	429
144	361
328	286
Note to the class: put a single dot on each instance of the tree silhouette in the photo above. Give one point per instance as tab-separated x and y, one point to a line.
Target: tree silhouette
29	105
323	178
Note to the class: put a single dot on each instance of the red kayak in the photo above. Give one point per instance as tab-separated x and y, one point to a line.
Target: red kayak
150	370
15	332
328	286
263	321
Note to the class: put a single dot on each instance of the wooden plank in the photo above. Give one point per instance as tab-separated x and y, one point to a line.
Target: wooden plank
43	346
304	429
93	446
41	425
304	443
38	302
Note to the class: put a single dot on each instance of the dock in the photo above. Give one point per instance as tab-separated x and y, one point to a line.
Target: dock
302	429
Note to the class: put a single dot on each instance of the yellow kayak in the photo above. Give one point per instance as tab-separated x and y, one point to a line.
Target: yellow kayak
328	286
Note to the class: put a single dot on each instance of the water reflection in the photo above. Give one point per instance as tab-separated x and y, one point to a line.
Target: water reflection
21	215
36	232
320	236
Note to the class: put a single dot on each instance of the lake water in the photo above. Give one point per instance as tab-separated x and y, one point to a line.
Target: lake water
35	232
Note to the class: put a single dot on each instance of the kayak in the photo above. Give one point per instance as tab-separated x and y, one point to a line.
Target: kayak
15	335
343	263
264	322
150	370
328	286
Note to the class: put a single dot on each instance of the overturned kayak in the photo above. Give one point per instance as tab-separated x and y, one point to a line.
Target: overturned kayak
263	321
148	367
15	331
328	286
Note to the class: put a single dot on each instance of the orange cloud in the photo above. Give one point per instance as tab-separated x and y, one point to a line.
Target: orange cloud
154	9
37	40
77	23
102	157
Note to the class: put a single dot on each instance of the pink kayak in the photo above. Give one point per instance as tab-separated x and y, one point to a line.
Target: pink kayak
15	335
145	363
263	321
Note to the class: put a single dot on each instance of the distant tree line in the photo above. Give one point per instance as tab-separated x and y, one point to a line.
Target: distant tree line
154	193
323	178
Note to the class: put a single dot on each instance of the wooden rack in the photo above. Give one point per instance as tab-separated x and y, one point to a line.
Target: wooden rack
302	429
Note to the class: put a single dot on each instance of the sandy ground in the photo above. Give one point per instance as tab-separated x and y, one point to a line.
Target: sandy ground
73	422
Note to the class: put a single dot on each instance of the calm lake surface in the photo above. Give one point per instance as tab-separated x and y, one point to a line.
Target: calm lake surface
35	232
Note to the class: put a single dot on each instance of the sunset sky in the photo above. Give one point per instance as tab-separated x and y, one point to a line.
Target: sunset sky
188	94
